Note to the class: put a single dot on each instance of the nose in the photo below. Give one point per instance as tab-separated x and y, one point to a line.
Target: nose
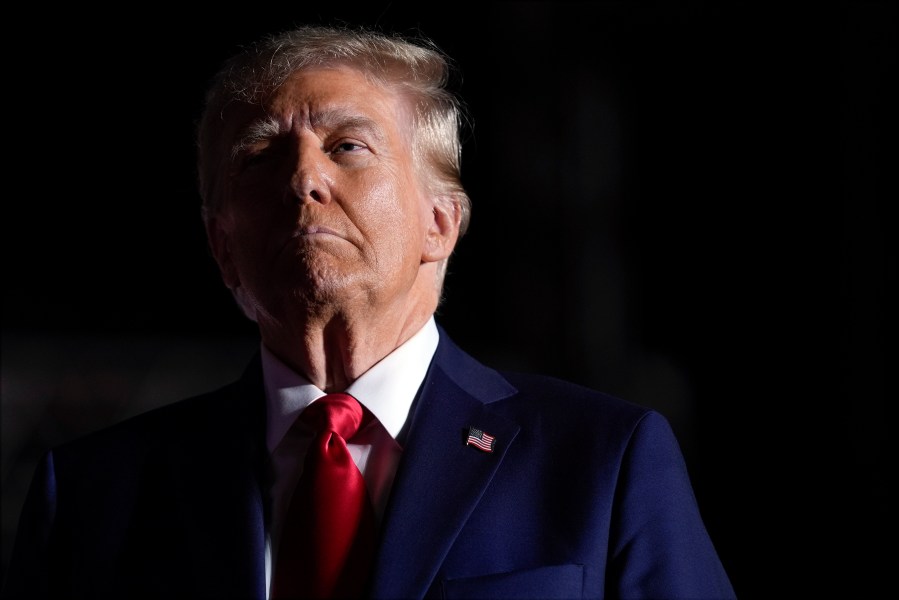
309	180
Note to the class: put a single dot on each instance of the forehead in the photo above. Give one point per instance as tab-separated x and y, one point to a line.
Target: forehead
327	97
330	84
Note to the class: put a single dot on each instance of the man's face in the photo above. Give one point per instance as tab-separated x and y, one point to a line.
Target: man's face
322	203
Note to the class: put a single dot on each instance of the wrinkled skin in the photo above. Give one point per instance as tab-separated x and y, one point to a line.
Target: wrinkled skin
328	234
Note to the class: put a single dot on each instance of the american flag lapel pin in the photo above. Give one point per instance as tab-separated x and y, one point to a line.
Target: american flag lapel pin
480	439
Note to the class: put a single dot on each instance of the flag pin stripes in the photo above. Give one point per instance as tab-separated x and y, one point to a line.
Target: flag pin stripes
480	439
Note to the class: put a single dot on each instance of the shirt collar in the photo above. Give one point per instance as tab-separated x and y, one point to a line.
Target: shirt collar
387	389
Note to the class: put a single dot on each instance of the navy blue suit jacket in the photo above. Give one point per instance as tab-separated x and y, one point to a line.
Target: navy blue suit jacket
583	496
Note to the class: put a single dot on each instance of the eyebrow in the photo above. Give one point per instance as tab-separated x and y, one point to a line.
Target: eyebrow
338	119
332	119
256	131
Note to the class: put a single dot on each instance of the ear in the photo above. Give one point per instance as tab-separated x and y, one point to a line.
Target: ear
219	245
443	229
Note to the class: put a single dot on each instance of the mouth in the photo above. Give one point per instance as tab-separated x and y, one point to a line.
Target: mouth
314	231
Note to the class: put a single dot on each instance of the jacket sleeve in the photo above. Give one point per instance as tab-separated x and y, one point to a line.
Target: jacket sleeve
660	547
28	573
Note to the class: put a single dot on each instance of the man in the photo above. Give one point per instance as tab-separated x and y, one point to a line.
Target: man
329	170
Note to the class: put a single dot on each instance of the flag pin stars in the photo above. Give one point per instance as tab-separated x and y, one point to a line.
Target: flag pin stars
480	439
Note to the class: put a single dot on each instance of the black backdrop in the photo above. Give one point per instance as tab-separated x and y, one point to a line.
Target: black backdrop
681	203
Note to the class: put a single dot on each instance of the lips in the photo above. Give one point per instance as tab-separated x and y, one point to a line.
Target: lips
313	230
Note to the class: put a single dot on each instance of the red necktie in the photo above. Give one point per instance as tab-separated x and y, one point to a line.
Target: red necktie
328	537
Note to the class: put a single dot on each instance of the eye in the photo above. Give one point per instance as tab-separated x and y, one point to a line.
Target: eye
252	159
261	154
346	147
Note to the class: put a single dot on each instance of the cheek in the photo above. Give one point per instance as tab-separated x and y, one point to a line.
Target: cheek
394	212
384	200
256	212
249	236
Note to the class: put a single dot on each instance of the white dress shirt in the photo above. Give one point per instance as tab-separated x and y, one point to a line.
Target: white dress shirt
387	390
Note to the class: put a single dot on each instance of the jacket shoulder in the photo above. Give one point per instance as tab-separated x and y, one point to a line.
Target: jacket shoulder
211	413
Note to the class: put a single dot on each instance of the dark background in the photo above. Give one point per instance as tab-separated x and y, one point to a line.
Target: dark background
681	203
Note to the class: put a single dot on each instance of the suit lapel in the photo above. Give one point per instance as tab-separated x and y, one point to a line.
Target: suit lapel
438	484
221	474
440	479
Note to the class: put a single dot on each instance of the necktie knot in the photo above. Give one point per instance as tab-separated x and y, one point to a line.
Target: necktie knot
340	413
328	539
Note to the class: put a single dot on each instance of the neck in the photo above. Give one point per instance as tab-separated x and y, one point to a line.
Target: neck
332	350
